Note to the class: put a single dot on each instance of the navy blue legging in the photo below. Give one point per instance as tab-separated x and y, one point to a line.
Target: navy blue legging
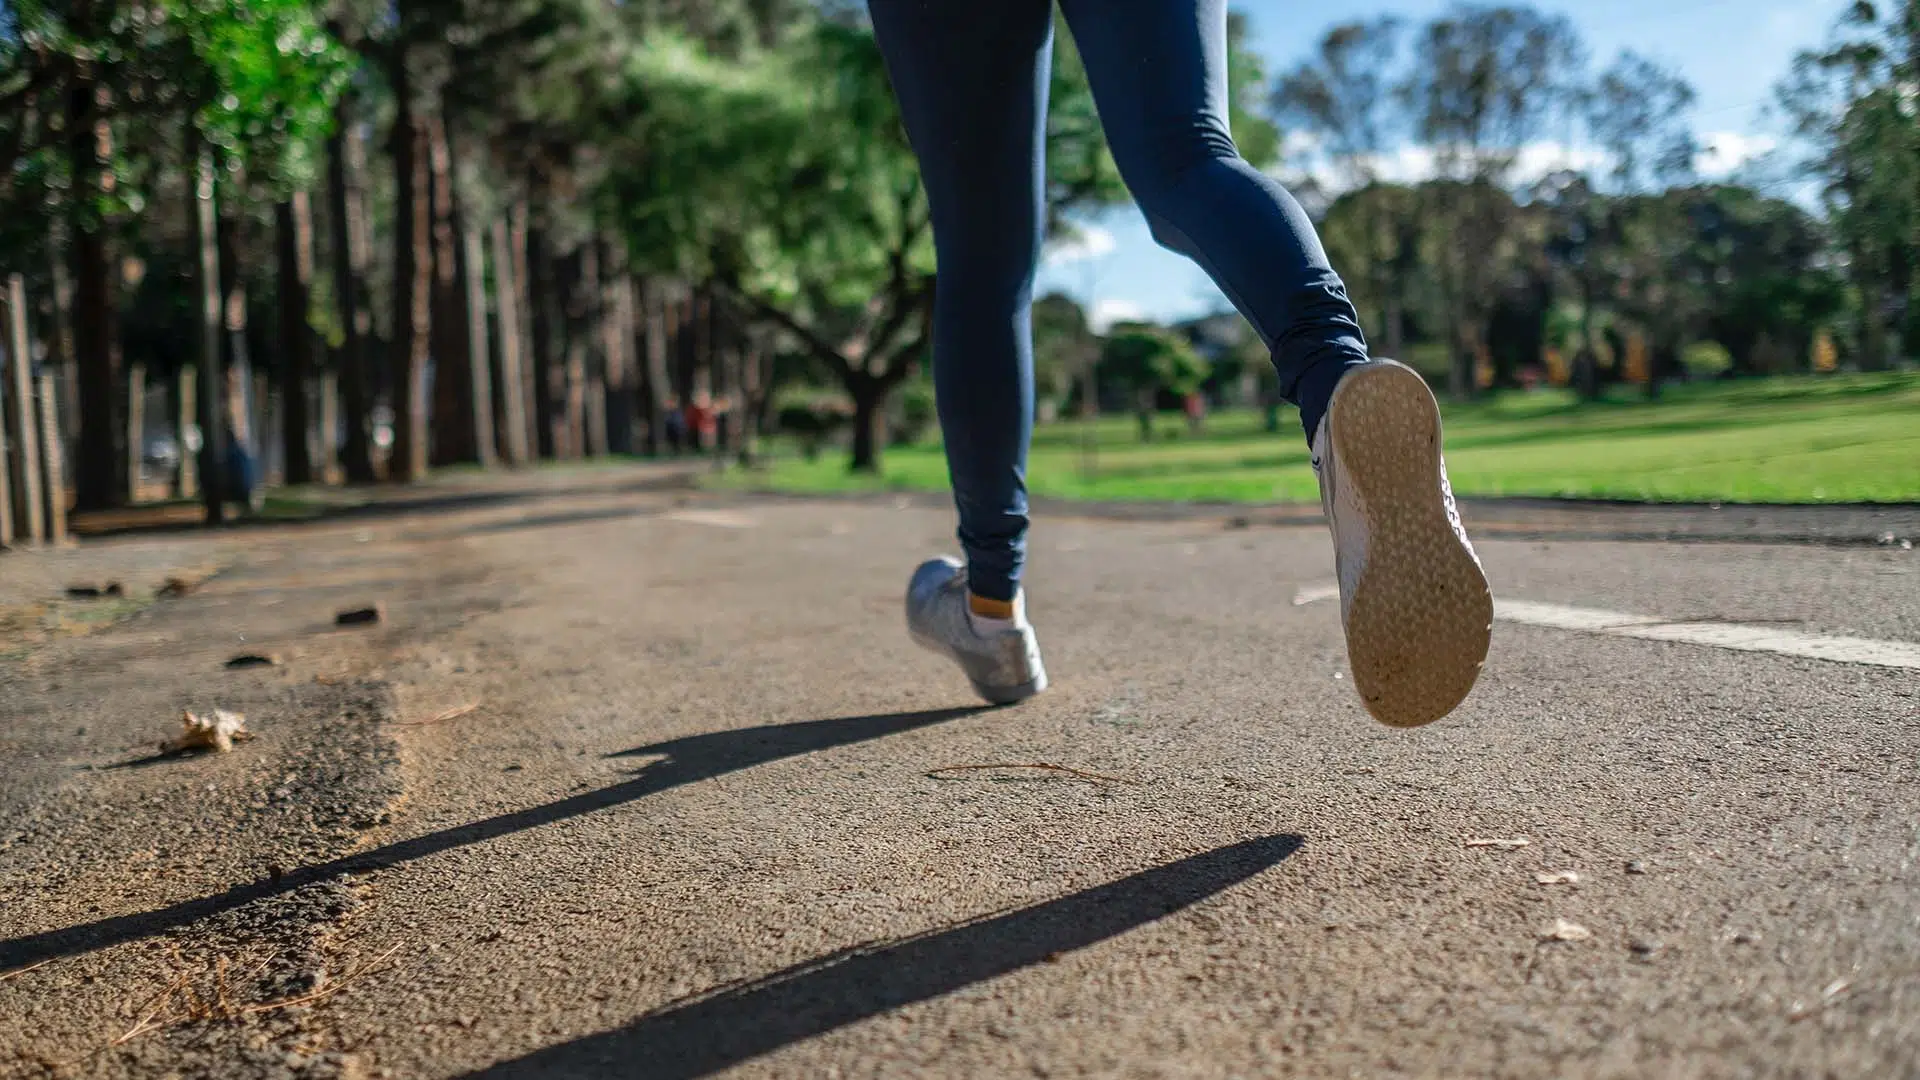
971	77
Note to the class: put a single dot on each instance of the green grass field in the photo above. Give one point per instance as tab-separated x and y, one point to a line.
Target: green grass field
1841	438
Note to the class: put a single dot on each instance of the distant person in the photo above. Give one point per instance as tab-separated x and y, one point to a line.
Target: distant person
972	87
676	426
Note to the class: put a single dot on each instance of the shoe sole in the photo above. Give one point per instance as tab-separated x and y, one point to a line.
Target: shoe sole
1421	616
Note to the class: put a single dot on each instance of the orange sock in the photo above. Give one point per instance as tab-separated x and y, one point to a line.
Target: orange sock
989	609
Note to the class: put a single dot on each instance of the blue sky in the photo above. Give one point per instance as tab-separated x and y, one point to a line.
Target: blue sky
1732	51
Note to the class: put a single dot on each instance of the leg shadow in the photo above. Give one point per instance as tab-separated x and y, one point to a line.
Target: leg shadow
685	761
705	1034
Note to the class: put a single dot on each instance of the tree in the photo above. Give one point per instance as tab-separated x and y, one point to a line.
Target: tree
1852	102
789	184
1343	97
254	80
1636	112
1064	346
1486	81
1149	361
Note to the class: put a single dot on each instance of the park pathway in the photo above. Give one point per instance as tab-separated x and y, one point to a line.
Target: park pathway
642	783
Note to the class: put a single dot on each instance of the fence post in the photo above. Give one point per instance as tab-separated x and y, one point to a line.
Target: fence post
24	434
136	428
186	484
50	451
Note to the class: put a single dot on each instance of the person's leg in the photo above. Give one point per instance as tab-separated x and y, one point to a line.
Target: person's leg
1159	74
971	79
1414	601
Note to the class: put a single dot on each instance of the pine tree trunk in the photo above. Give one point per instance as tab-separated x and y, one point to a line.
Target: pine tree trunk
512	413
346	211
293	220
97	473
453	427
546	372
412	285
617	337
659	385
583	336
236	358
473	276
136	428
203	216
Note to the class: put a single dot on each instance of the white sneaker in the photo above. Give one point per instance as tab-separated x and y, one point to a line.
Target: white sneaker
1413	598
1003	665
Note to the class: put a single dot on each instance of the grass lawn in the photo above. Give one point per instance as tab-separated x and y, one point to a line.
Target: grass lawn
1840	438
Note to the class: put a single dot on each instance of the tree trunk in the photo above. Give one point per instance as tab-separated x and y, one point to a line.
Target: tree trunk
618	349
546	373
659	383
453	427
346	217
236	358
869	422
136	428
293	220
523	303
583	319
203	217
512	378
23	422
1587	367
473	274
186	417
90	148
412	282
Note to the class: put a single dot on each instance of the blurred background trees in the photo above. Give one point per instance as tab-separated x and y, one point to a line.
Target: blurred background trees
440	232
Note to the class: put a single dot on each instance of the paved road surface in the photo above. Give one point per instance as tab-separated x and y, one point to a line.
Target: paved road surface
712	814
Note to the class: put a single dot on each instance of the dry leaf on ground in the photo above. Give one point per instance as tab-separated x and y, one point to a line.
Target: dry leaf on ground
1562	930
217	732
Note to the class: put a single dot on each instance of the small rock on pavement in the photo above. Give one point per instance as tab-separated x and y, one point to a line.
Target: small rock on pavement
217	732
1635	866
1563	930
360	616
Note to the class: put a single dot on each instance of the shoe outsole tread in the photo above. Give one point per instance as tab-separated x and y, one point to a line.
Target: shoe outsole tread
1421	617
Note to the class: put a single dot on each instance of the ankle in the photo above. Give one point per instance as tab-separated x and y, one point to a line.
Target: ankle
989	615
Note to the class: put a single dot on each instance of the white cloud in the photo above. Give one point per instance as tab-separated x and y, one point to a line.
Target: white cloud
1107	312
1090	242
1412	163
1725	151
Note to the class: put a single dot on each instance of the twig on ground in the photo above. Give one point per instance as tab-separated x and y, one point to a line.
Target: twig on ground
4	976
1080	774
451	714
325	992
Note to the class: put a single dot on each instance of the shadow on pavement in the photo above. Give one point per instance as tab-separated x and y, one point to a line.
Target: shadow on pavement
686	761
715	1031
378	503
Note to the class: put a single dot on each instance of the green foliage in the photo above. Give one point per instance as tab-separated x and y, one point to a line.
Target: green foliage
1148	360
915	414
267	77
1063	345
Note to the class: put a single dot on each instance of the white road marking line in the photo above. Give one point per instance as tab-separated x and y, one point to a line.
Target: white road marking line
1736	636
1743	638
718	519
